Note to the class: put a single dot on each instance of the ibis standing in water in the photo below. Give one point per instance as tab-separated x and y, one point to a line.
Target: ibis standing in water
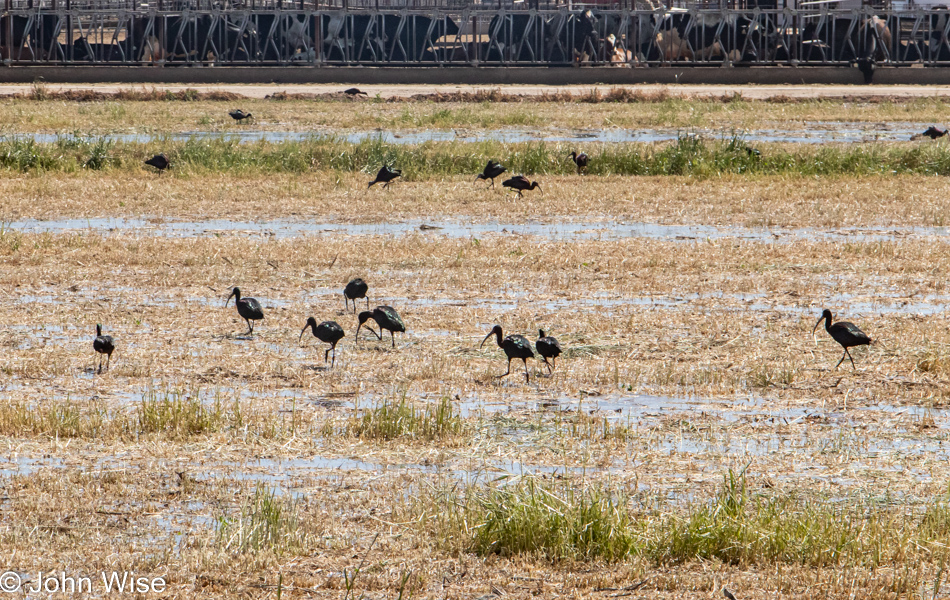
159	161
356	288
239	115
492	169
932	133
249	309
385	176
520	183
328	332
386	317
580	160
103	344
548	347
845	333
515	346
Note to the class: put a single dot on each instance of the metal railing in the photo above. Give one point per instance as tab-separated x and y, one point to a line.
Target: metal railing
302	32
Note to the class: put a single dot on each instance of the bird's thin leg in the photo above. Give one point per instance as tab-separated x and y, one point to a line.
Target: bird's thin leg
109	362
250	328
852	360
548	364
367	304
333	362
100	363
506	372
393	333
520	195
842	359
525	361
326	355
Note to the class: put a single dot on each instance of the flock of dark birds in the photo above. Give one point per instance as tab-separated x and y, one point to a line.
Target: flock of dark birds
848	335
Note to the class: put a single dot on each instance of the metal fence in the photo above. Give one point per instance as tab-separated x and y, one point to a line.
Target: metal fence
297	32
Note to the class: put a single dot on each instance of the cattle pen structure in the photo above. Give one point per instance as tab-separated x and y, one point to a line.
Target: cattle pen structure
630	34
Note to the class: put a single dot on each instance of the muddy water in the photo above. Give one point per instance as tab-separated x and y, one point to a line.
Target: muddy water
466	228
817	132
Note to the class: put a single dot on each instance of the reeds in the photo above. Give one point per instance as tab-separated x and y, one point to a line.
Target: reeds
687	156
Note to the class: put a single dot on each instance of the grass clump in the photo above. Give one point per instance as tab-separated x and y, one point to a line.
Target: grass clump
551	520
267	523
177	416
393	419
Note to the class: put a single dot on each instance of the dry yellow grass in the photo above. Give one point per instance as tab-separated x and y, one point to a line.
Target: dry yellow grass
704	344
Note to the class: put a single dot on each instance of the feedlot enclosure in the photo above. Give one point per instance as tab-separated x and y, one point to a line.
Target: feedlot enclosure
61	32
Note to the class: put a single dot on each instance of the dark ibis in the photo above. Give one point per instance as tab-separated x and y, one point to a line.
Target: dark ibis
515	346
386	317
103	344
845	333
520	183
328	332
580	160
548	347
492	169
356	288
239	115
249	308
932	133
159	161
385	176
354	92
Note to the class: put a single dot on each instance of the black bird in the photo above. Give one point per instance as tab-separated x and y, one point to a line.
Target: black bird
329	332
159	161
932	133
515	346
385	176
354	92
580	160
845	333
386	317
728	594
356	288
520	183
492	170
867	66
548	347
249	308
103	344
239	115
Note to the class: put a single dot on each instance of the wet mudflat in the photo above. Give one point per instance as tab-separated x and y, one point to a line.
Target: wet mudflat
691	401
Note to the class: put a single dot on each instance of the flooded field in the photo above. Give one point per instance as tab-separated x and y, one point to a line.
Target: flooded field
695	433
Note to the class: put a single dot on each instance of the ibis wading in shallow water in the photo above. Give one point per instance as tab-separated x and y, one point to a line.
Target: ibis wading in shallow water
249	308
159	161
386	317
520	183
492	170
580	160
548	347
932	133
515	346
103	344
385	176
356	288
239	115
328	332
845	333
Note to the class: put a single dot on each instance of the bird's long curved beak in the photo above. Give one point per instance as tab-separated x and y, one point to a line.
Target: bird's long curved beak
358	332
226	302
815	328
486	338
540	190
301	333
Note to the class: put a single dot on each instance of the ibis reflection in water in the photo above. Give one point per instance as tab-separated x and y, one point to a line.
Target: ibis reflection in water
515	346
328	332
386	317
356	288
847	334
249	308
548	347
103	344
